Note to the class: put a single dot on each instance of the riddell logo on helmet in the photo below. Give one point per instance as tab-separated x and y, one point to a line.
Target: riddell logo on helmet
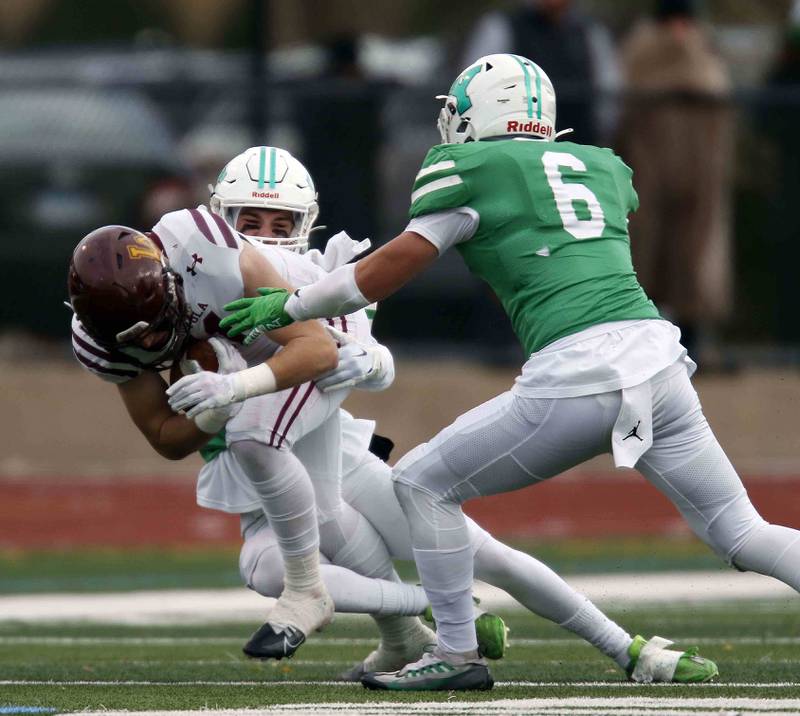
532	127
265	194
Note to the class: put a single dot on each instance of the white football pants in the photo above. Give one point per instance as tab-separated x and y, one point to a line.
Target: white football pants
510	442
368	489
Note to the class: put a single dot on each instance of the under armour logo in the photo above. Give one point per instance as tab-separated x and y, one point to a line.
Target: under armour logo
195	260
634	432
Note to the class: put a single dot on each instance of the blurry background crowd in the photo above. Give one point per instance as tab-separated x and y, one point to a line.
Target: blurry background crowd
117	112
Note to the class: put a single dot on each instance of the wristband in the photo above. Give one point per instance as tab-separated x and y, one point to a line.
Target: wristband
336	294
250	382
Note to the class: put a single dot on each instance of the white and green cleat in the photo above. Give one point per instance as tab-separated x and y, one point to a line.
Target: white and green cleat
490	630
417	642
434	672
652	662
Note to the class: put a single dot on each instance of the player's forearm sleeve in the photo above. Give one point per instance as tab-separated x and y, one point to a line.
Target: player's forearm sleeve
336	294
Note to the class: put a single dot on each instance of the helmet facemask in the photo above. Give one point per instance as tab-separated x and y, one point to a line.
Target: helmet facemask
302	223
122	291
453	128
174	317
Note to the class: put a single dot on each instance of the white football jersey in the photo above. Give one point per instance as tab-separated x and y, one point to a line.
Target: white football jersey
204	251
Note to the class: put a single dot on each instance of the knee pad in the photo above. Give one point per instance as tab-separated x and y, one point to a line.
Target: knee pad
435	521
730	530
261	566
773	550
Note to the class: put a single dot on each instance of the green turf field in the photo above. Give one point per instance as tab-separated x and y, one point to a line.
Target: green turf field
95	570
77	667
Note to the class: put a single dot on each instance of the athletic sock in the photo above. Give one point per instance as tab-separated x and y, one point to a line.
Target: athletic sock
537	587
396	632
287	498
447	579
302	573
591	624
355	594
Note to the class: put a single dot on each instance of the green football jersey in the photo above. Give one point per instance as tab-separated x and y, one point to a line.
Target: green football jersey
214	447
552	241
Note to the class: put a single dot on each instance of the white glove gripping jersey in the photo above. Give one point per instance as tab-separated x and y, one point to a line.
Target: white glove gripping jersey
201	248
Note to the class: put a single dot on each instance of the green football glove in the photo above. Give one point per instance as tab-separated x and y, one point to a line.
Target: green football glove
257	314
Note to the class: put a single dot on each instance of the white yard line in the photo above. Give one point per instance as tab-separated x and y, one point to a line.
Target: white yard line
323	642
593	706
239	604
347	685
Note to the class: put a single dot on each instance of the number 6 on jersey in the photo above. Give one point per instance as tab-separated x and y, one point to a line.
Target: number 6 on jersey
567	194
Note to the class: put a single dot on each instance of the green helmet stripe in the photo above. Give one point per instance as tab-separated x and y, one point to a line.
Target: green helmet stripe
538	92
262	166
273	157
528	87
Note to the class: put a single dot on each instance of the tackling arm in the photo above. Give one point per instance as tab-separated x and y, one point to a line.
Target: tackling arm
172	436
308	349
342	291
307	352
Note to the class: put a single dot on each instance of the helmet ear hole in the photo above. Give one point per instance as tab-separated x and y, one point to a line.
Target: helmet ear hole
462	127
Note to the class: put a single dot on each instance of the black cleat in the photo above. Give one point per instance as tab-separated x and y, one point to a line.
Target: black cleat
267	643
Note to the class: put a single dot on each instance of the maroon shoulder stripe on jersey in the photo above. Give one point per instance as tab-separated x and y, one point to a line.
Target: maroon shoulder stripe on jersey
156	239
202	225
343	319
285	407
110	356
102	369
296	412
225	230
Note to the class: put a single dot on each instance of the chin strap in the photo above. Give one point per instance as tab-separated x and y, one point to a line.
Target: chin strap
562	132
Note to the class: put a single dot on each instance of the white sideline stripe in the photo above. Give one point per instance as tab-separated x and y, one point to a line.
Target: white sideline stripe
201	606
596	706
433	168
348	684
443	183
323	642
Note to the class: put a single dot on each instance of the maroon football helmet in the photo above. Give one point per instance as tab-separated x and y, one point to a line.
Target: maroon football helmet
122	290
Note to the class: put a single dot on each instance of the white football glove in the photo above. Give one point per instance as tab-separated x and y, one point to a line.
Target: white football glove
339	250
201	391
368	366
228	356
212	418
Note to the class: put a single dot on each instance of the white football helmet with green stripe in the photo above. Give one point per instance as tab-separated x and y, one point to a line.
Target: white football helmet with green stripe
268	178
499	95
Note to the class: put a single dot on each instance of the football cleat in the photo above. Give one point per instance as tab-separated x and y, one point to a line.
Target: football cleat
295	615
490	629
271	642
652	662
385	659
434	672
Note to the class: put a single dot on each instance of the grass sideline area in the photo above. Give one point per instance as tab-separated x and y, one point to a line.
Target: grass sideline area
97	570
72	667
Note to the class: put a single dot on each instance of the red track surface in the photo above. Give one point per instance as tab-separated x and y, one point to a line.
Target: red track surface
74	512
